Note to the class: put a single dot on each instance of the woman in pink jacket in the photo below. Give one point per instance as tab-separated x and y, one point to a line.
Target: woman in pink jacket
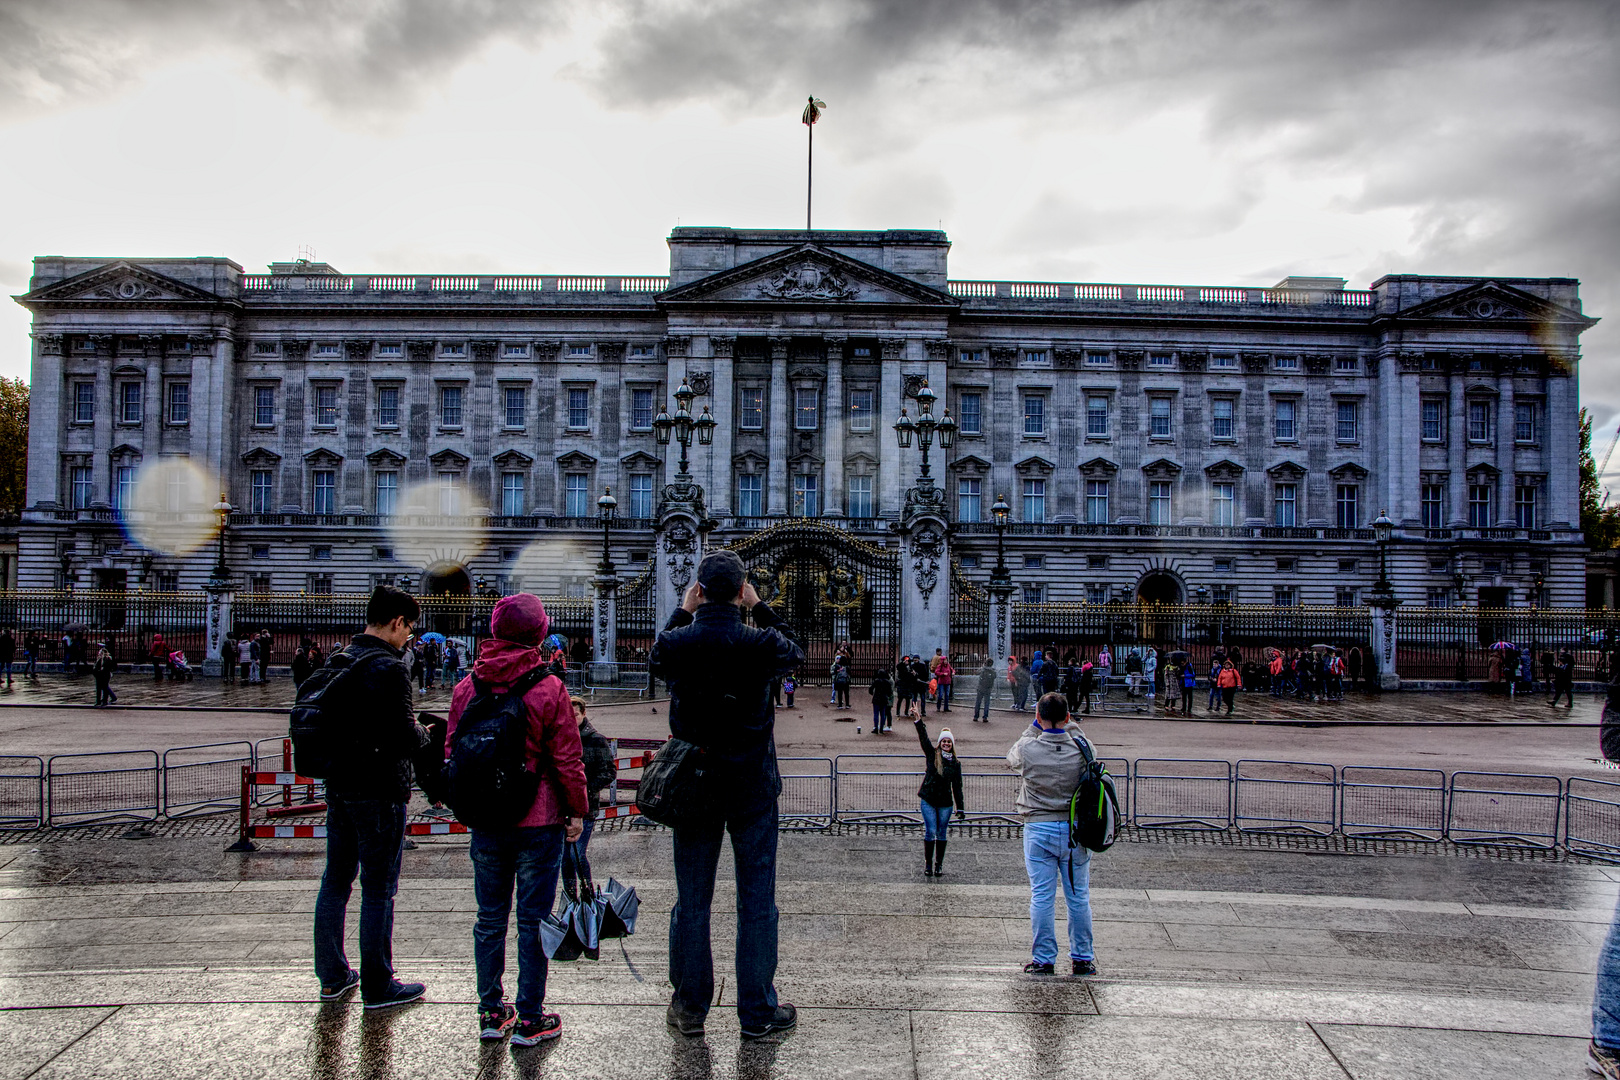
526	854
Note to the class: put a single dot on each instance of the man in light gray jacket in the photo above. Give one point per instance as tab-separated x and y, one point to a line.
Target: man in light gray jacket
1048	762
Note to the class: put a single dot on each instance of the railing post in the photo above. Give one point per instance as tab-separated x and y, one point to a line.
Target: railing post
242	841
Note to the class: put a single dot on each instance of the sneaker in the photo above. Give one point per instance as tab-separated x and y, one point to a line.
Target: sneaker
495	1023
337	993
529	1032
687	1023
1603	1061
398	994
1034	968
785	1018
1084	967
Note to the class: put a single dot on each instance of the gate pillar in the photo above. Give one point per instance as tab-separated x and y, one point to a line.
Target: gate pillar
682	523
1001	622
1381	606
221	595
606	635
925	602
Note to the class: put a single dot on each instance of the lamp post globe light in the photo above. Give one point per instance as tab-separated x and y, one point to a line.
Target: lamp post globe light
999	513
683	425
1383	528
924	429
223	509
607	508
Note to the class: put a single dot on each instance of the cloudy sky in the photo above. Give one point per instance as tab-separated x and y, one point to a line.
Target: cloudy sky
1195	142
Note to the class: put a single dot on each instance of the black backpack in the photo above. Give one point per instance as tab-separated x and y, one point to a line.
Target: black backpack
1094	806
487	780
319	741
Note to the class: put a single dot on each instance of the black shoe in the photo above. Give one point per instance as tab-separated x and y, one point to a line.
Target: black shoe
529	1032
398	994
493	1024
687	1023
1084	967
338	993
785	1018
1032	968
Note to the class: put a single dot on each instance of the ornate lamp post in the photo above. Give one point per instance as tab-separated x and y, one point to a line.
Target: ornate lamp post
221	592
606	509
223	509
925	428
923	530
682	425
999	512
1001	588
1383	528
1381	606
682	519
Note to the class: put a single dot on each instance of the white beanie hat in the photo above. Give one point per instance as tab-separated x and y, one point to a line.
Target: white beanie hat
945	733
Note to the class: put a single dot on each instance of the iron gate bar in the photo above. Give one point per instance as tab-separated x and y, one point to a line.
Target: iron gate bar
106	795
1286	790
1598	810
22	791
1159	786
216	782
1499	796
1416	825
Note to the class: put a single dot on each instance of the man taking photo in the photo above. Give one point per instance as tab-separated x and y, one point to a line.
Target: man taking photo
719	672
369	713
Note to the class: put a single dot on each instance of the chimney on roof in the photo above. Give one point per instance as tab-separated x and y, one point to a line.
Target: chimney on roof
1314	284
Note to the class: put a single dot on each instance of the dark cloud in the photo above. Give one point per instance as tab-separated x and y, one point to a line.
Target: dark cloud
358	56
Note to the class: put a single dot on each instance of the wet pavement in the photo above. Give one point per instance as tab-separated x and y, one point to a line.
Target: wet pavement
172	958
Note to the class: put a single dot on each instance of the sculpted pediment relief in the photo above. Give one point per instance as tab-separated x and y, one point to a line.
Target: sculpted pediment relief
121	282
1493	301
807	274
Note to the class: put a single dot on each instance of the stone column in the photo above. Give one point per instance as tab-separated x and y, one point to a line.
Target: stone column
836	412
890	492
776	500
925	587
1001	625
221	595
722	485
1457	447
45	406
606	619
1562	444
1506	512
678	549
1381	606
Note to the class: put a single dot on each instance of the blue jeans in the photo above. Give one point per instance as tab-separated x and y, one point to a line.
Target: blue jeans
1049	859
981	704
575	864
935	820
880	717
1606	999
945	695
365	836
528	858
691	961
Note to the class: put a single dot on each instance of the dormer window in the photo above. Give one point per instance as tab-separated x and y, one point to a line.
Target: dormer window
453	349
328	349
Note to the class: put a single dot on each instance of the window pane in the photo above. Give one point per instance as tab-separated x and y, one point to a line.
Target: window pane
1159	413
860	410
81	487
124	487
1097	502
130	398
968	499
1285	504
1035	500
1348	508
325	491
641	495
1433	421
1285	420
516	406
1159	503
860	497
641	409
579	408
512	494
1524	506
387	492
259	492
450	406
1479	506
1433	506
1524	422
264	406
749	496
972	416
751	409
1479	421
179	403
805	503
576	495
388	406
806	408
1097	417
84	402
1034	414
1221	412
1221	504
1347	421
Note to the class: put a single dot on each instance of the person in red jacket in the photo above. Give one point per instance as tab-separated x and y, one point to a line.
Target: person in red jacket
1229	682
528	853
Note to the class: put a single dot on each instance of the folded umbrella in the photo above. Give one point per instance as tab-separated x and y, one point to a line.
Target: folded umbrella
572	933
618	904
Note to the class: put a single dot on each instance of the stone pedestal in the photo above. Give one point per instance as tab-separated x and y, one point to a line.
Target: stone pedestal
605	637
681	525
1001	623
925	558
1381	606
221	595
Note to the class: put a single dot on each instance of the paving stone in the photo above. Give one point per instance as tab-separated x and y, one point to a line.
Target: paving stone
31	1037
1381	1053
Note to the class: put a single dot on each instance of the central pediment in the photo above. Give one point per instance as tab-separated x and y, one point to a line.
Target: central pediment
808	275
121	283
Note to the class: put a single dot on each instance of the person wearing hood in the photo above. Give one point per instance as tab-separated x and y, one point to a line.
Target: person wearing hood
528	853
942	783
882	690
1087	686
986	687
159	654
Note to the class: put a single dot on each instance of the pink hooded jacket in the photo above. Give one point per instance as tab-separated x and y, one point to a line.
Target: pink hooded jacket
519	623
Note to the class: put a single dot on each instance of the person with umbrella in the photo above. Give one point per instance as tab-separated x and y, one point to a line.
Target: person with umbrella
432	656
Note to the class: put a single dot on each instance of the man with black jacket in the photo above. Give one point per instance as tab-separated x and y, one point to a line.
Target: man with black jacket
366	792
719	674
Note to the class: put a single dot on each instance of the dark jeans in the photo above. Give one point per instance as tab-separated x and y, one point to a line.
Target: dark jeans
1228	694
364	836
841	695
981	704
1565	690
880	717
247	669
691	960
528	859
1186	700
104	694
945	697
576	864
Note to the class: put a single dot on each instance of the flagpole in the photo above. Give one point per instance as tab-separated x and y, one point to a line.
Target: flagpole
812	113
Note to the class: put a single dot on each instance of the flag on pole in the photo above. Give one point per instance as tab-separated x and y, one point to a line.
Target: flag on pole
812	112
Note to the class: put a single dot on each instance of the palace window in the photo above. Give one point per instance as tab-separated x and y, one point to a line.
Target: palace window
579	408
328	349
1097	417
1479	506
516	351
388	406
968	500
1479	421
1096	594
450	399
1432	422
641	496
1221	504
517	400
1284	498
1159	417
806	408
1032	594
751	408
1283	419
641	409
1159	359
806	502
264	406
1096	502
750	502
129	401
1345	596
453	349
1222	418
1439	596
326	409
1349	425
576	495
1524	422
386	489
323	492
1347	506
79	479
1287	363
1524	506
1284	596
860	410
260	498
1036	356
860	497
123	492
84	403
1434	506
1035	501
513	494
390	349
970	406
1223	361
1221	594
970	356
1159	502
1034	414
1097	359
1345	365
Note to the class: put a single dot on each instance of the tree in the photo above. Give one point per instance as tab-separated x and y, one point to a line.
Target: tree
1600	523
13	445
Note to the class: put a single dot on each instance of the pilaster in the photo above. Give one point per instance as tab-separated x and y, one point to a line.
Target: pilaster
836	412
776	499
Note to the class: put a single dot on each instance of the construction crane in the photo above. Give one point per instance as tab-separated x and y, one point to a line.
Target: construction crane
1604	467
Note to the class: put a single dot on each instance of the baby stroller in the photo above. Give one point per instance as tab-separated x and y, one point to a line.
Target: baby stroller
178	668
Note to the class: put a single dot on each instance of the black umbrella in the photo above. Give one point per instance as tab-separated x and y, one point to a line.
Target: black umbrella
1178	656
619	905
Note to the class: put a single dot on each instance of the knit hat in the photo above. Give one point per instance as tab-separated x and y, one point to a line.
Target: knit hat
519	618
945	733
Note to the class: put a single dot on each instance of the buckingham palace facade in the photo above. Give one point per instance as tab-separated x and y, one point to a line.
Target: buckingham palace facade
1168	443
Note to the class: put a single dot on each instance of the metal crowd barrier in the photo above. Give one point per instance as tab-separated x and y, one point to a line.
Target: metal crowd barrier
1592	818
203	779
1504	808
93	789
807	793
22	791
1392	804
1284	797
1182	793
612	675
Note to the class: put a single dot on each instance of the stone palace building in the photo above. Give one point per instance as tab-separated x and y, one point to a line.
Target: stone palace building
1163	442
